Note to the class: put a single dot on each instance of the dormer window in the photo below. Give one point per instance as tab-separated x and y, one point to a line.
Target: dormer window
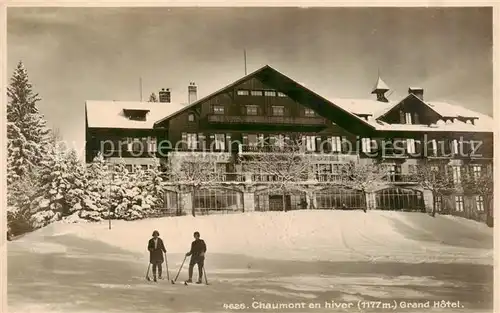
136	114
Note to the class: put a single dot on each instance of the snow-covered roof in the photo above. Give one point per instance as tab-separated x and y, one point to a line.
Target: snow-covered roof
362	106
110	114
450	110
456	126
483	123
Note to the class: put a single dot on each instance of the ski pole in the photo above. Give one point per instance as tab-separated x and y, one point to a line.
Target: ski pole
180	268
205	272
166	265
147	273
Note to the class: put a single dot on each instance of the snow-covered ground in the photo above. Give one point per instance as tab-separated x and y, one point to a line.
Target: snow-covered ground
275	257
304	235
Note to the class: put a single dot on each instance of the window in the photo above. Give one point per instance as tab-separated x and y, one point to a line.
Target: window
456	174
270	93
459	203
366	145
282	95
408	118
454	146
416	119
137	145
202	141
191	141
218	109
256	92
480	203
410	146
310	143
252	140
128	167
152	144
191	117
476	171
129	143
391	169
243	92
401	117
336	143
474	147
251	109
327	171
278	111
144	167
434	147
277	140
220	142
309	113
438	203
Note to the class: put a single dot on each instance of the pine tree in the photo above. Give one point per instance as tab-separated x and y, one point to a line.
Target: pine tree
153	98
26	128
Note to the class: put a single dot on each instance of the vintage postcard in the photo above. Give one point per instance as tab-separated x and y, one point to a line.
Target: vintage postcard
249	159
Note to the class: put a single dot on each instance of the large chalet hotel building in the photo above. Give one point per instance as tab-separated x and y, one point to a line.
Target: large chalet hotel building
266	105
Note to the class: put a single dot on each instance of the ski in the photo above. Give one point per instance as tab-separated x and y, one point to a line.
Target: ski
199	284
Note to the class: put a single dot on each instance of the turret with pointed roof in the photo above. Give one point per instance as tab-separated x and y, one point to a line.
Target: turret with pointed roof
380	89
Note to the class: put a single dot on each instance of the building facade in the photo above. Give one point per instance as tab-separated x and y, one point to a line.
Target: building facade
264	109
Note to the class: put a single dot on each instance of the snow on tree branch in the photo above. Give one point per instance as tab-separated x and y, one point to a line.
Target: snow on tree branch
364	176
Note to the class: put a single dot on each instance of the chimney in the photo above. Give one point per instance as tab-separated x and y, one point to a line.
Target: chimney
192	92
164	95
417	91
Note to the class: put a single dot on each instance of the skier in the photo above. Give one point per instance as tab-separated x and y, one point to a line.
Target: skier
197	253
156	249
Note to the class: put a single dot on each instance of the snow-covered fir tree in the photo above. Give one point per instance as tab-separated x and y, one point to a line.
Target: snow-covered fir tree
26	127
136	194
62	185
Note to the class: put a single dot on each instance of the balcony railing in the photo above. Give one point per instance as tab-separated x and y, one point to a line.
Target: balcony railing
329	177
230	177
262	119
402	178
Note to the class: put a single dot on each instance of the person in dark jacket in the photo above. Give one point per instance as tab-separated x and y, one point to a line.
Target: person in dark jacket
197	253
156	249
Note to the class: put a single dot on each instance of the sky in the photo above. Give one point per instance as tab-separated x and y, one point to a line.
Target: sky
78	54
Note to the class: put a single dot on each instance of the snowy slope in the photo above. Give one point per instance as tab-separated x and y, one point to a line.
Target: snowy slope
302	235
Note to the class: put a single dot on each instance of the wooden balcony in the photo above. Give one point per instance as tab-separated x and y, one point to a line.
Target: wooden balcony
266	120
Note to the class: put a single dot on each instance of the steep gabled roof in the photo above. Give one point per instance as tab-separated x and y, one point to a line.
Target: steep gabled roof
294	90
221	90
411	95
